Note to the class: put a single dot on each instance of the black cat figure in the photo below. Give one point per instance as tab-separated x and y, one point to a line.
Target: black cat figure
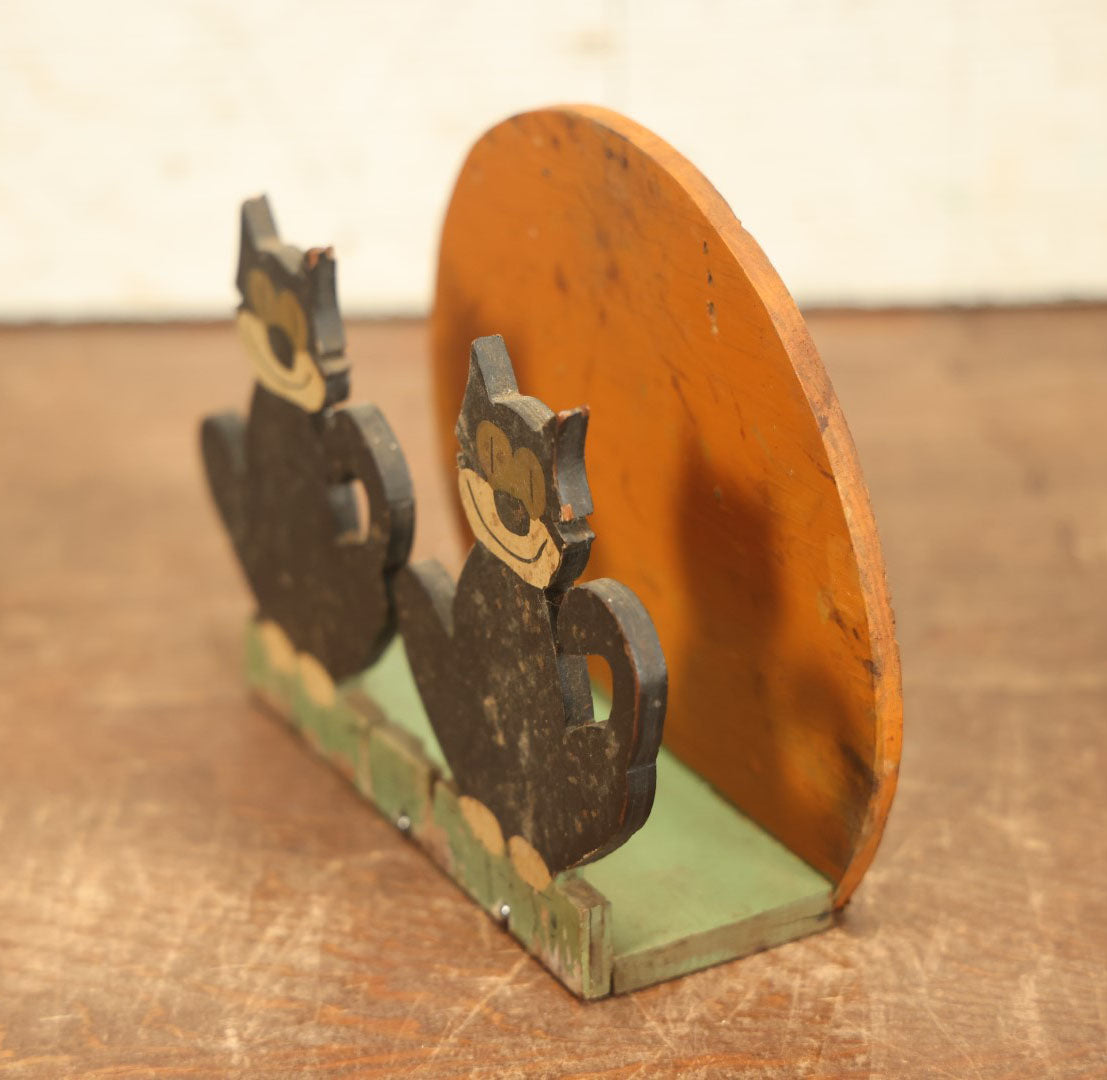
500	659
316	499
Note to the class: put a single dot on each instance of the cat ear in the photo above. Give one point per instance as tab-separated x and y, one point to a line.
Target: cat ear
566	431
321	270
490	372
259	232
491	376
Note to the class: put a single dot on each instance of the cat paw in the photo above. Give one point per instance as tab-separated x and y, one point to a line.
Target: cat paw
482	823
529	865
317	683
279	651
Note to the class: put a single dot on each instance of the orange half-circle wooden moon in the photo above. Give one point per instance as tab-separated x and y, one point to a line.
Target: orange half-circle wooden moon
726	485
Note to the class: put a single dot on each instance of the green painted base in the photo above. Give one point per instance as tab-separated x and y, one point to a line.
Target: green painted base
699	884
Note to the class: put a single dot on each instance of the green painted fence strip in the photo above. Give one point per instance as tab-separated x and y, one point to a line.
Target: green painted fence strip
700	883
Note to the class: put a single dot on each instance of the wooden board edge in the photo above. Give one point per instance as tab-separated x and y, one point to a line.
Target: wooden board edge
886	674
731	941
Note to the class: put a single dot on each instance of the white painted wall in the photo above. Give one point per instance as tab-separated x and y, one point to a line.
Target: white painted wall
882	151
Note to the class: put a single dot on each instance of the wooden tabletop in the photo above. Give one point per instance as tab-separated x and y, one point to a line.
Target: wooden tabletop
185	891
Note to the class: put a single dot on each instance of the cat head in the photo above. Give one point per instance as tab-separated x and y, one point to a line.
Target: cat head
521	473
288	318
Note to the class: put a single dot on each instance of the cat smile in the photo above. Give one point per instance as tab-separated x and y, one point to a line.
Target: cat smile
301	383
534	557
494	534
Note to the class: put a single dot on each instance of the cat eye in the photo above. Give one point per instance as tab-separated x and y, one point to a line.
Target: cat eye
493	452
279	309
289	316
260	293
517	473
531	482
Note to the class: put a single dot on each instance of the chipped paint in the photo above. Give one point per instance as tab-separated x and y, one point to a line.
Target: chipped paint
564	925
657	908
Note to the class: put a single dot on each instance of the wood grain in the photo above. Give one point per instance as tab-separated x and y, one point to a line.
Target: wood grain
728	494
185	892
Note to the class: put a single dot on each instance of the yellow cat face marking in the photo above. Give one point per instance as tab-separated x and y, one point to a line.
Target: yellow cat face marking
534	557
518	472
267	311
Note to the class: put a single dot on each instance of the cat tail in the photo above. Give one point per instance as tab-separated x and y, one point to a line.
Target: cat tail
604	618
424	595
223	446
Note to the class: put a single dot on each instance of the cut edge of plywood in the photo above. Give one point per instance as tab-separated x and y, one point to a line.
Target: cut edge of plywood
699	885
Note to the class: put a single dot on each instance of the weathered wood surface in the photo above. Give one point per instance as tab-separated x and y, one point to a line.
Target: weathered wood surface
619	277
314	495
184	892
563	923
501	656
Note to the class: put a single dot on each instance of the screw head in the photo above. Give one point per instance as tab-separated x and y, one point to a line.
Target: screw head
505	911
403	823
